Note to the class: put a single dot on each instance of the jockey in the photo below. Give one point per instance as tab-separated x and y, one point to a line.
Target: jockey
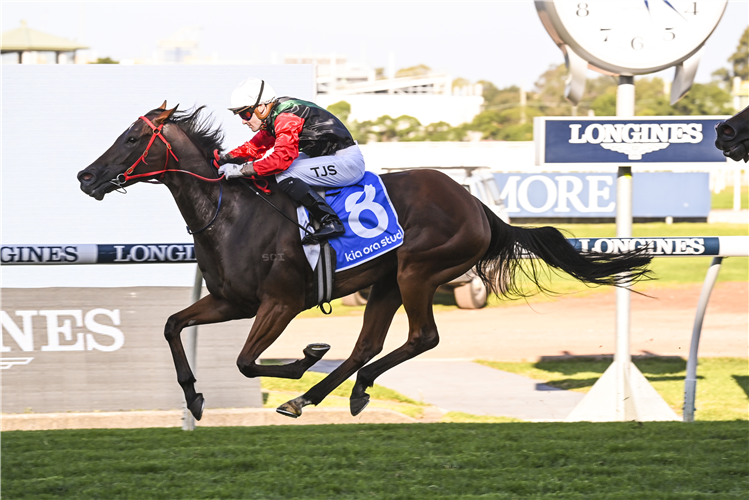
311	147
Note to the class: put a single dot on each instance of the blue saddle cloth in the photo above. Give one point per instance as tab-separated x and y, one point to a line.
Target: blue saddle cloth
372	227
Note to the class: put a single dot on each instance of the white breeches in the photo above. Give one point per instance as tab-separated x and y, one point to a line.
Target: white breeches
344	168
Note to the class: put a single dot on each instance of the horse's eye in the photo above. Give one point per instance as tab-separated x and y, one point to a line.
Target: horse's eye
132	140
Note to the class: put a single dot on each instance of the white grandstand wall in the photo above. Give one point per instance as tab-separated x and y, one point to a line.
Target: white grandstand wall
60	118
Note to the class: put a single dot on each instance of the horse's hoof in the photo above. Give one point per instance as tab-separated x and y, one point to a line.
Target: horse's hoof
290	409
316	351
197	406
358	404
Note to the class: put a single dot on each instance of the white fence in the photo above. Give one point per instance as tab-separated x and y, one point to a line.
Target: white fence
146	253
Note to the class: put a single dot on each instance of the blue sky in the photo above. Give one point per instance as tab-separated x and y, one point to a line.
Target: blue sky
500	41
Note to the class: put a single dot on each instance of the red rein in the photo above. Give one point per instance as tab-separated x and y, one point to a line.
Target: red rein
261	184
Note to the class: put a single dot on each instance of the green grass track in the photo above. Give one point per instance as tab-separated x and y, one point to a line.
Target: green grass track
660	460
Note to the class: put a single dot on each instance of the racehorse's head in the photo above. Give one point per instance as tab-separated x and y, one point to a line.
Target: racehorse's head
733	136
111	170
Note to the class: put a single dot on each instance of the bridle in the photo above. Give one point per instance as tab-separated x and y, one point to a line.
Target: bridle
126	176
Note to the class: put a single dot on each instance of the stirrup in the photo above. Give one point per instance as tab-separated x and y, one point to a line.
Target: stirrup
323	234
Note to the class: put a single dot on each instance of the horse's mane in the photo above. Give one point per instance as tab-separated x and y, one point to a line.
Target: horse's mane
199	129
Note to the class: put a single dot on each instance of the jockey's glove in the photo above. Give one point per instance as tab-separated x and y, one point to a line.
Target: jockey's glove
228	158
248	169
231	171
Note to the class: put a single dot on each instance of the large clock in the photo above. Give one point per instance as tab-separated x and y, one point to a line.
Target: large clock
632	37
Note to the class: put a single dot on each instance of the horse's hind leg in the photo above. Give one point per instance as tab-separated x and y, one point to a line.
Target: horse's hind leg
206	310
422	336
383	302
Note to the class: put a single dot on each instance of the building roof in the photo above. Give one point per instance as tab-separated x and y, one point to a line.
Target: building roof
25	39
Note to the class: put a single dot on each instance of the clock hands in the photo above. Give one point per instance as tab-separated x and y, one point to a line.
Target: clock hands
647	6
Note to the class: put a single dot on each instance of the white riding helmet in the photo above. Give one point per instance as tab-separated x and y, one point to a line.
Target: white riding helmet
250	93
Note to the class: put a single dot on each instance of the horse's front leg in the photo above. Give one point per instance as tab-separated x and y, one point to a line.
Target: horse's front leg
206	310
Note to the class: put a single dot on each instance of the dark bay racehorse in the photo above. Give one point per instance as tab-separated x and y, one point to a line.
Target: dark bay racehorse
446	232
733	136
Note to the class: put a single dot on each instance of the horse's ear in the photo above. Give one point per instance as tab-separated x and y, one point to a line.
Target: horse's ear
163	106
164	115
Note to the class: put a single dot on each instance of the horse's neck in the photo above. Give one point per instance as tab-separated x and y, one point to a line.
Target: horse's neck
196	199
194	196
198	202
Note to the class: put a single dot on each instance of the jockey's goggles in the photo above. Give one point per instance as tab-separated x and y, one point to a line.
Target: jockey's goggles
247	112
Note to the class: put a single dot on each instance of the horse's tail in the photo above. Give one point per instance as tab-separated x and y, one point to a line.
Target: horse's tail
503	264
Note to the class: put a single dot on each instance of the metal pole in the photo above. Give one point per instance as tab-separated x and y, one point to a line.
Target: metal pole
625	107
690	383
191	348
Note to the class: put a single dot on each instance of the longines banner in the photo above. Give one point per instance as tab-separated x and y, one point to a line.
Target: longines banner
578	195
143	253
89	349
626	141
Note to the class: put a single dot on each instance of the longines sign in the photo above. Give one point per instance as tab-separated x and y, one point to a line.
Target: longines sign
626	141
146	253
59	334
87	349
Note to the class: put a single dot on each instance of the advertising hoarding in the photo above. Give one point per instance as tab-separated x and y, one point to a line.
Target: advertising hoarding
103	349
581	195
639	140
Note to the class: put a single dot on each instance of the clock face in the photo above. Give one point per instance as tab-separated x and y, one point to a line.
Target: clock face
634	36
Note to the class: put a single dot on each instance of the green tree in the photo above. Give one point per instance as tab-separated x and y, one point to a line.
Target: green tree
740	58
442	131
387	129
705	99
651	98
341	109
549	92
105	60
499	99
418	70
460	82
489	123
604	104
723	77
489	91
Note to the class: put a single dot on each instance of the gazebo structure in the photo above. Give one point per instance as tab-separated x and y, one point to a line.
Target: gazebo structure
24	39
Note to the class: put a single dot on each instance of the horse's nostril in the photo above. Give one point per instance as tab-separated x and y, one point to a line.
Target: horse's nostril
85	177
728	131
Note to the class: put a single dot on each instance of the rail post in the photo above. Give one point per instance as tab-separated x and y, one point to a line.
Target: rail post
690	382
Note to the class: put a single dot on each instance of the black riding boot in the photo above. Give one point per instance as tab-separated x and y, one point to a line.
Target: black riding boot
330	225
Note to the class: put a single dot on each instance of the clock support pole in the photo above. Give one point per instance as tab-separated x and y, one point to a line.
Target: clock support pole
625	108
623	393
